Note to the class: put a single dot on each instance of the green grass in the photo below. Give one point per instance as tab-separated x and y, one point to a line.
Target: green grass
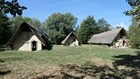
25	64
64	55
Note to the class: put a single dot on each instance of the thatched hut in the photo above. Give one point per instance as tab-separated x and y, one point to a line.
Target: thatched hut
28	38
71	40
116	37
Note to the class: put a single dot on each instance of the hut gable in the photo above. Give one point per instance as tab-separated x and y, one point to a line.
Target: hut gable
71	40
28	38
108	37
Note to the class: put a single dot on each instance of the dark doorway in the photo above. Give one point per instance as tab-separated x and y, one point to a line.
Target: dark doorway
123	42
34	46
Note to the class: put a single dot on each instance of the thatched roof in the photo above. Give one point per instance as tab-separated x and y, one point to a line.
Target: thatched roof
106	37
71	34
27	27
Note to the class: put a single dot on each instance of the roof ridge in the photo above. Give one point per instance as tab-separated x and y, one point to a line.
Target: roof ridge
105	37
67	37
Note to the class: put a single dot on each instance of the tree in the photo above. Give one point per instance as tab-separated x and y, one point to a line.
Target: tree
87	28
16	21
11	7
5	32
103	25
58	26
14	9
135	11
134	29
134	34
35	22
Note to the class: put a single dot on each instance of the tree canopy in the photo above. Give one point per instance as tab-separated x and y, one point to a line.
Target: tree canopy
12	7
134	34
135	11
16	21
5	32
104	25
134	29
87	28
58	26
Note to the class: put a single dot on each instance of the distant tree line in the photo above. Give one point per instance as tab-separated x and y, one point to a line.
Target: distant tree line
57	26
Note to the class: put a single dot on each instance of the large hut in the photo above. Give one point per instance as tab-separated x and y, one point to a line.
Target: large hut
71	40
28	38
116	37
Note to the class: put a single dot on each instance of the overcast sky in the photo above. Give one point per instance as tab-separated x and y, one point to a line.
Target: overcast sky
111	10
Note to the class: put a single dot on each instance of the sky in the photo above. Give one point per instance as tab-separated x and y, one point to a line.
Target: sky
111	10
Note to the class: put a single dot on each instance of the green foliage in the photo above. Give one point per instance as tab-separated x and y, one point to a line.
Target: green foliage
134	31
5	30
11	7
14	9
104	26
35	22
135	11
58	26
134	34
16	21
87	28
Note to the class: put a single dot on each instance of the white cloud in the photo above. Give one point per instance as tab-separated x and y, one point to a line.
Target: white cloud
122	25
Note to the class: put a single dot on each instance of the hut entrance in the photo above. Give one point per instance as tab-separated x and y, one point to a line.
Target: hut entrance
123	43
34	46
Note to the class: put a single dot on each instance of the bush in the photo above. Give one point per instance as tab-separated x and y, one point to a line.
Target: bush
134	36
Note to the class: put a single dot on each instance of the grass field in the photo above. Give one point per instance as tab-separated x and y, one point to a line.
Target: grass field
29	64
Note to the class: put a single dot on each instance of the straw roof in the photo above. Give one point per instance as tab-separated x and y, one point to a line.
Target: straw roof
27	27
107	37
71	34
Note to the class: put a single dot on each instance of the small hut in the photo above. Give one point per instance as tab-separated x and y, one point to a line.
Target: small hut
28	38
71	40
116	37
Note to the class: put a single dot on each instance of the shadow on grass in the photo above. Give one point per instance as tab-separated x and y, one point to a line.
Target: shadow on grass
86	71
1	61
5	72
131	69
131	63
